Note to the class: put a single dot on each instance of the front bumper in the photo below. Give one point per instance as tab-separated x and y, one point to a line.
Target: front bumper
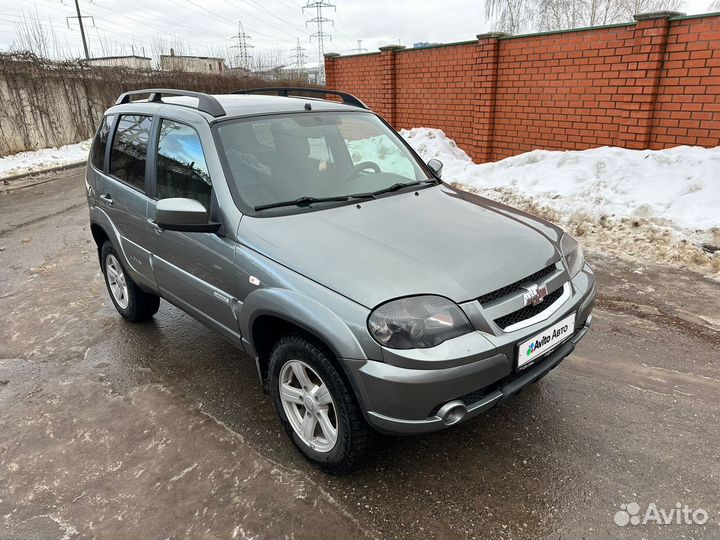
414	393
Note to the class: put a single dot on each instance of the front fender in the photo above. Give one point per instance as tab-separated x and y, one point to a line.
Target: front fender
304	312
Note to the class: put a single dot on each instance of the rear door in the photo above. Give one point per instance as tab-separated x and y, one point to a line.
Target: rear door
121	193
193	270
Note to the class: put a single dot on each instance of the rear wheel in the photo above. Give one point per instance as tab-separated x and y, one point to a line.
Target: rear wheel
131	302
316	407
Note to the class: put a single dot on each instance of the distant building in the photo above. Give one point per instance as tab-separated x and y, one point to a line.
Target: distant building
132	62
195	64
306	73
424	44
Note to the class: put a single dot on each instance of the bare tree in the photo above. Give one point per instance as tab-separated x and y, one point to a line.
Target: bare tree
517	16
266	60
512	16
715	6
32	35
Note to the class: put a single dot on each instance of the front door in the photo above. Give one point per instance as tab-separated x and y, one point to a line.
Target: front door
193	270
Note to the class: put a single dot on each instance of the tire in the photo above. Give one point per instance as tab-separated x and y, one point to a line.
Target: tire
355	439
134	304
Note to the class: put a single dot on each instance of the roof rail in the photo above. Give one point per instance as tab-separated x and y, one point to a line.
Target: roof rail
206	102
348	99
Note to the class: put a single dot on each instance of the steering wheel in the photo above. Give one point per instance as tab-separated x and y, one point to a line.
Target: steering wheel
363	165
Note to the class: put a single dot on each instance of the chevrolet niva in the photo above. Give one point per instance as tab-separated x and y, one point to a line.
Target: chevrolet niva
373	297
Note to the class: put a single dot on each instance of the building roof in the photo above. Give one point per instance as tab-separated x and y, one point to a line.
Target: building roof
120	57
190	56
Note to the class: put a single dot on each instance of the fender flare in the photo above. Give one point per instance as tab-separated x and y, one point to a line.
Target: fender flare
100	219
303	312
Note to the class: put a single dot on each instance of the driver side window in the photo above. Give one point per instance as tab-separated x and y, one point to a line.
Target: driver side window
181	167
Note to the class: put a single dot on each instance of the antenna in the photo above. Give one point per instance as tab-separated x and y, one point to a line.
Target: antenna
243	56
320	35
298	56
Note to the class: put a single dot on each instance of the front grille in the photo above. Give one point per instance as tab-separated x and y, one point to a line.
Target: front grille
514	287
528	311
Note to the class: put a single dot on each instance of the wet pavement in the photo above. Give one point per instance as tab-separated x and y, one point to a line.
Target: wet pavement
109	429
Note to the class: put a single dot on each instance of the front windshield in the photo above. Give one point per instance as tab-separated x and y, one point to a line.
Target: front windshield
273	159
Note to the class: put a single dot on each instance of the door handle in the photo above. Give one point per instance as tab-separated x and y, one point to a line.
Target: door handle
107	199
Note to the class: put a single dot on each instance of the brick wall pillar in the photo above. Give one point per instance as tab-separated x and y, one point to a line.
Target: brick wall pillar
330	70
637	99
486	70
388	99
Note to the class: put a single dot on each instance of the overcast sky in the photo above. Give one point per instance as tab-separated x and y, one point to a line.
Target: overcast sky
205	26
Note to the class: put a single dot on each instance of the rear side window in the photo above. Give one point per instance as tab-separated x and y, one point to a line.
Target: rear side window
97	152
181	167
129	149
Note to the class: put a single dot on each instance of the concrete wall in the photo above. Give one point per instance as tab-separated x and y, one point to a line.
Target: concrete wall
132	62
195	64
45	104
653	83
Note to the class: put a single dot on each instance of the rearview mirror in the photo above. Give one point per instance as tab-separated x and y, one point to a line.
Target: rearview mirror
185	215
436	167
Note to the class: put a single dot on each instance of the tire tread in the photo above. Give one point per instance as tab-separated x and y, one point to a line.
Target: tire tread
359	439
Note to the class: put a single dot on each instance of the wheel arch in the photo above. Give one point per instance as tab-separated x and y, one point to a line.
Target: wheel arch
100	236
268	314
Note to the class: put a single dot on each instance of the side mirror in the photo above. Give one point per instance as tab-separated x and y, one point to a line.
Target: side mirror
436	166
185	215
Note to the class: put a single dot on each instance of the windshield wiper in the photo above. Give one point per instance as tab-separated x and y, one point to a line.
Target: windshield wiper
306	201
393	187
301	201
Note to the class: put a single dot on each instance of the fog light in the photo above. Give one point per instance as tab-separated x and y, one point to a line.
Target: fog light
452	412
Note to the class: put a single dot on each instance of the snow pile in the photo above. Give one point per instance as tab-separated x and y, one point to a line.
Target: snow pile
42	160
619	200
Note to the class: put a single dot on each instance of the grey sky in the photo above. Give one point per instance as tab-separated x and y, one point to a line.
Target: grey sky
205	26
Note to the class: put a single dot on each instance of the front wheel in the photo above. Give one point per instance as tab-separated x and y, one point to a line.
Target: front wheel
316	407
131	302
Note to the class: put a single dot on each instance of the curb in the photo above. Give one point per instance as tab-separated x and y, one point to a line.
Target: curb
35	178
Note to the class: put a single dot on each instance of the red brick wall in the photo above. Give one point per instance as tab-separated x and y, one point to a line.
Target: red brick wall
688	102
653	83
440	97
362	74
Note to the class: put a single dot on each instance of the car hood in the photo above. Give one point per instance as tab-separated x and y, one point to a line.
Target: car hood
437	240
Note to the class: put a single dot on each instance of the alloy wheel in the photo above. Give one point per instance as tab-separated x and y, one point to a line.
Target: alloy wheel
116	281
308	405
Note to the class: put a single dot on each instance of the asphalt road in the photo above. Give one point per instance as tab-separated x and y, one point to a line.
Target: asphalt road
109	429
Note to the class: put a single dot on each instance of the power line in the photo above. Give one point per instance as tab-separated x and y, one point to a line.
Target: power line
320	35
299	55
359	49
243	56
80	18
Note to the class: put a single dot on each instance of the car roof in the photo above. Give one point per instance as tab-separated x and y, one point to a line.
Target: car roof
239	105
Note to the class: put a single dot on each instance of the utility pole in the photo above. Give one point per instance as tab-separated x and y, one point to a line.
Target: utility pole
298	56
80	18
243	56
320	35
360	48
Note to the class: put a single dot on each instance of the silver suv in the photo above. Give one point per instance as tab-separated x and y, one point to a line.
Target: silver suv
372	296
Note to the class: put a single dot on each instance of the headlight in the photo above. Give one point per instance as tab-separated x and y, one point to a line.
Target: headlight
417	322
573	253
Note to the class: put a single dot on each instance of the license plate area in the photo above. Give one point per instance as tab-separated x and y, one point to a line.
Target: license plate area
539	345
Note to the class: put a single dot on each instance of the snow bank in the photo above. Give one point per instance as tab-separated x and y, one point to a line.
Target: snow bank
681	185
634	197
42	160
